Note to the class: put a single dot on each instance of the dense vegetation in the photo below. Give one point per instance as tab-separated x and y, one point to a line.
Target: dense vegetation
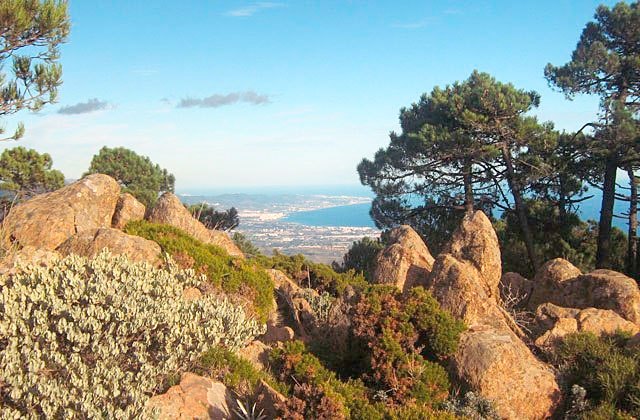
85	337
317	393
320	277
475	145
136	174
211	218
361	257
603	375
231	275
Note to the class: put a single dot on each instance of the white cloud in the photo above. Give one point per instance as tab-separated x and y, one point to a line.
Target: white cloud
218	100
87	107
412	25
252	9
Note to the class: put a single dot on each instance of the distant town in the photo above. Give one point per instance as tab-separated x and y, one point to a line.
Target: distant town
264	221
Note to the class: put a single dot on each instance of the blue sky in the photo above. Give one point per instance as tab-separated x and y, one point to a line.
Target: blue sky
241	94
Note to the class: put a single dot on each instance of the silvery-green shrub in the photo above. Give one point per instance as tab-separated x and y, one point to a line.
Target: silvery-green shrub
95	338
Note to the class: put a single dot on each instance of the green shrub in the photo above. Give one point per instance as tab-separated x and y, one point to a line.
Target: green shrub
88	337
607	368
405	337
236	372
361	257
296	366
245	245
320	277
232	275
316	391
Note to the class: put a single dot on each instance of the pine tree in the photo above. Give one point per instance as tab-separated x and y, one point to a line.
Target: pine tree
606	62
31	79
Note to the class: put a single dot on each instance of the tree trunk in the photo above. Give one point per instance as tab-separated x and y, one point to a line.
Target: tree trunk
633	225
521	209
562	202
606	213
468	187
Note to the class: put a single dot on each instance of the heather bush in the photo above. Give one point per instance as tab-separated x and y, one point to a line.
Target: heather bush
316	392
91	338
405	337
232	275
607	369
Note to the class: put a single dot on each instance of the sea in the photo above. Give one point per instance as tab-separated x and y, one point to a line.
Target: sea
320	222
357	215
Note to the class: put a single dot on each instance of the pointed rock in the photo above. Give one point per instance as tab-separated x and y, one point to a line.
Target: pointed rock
170	210
491	357
475	241
459	288
405	262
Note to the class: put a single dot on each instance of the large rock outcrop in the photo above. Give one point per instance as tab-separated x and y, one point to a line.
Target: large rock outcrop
501	367
170	210
128	209
90	243
195	397
562	284
491	357
47	220
548	280
554	323
405	262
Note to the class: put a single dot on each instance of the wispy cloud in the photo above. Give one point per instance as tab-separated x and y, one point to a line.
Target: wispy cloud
412	25
91	105
144	71
452	11
218	100
252	9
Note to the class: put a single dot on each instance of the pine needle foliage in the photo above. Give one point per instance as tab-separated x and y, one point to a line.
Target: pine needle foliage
31	35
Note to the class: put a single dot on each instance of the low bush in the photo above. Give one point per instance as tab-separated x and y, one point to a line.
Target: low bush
245	245
405	337
472	406
87	338
317	276
235	372
232	275
607	369
361	257
317	393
